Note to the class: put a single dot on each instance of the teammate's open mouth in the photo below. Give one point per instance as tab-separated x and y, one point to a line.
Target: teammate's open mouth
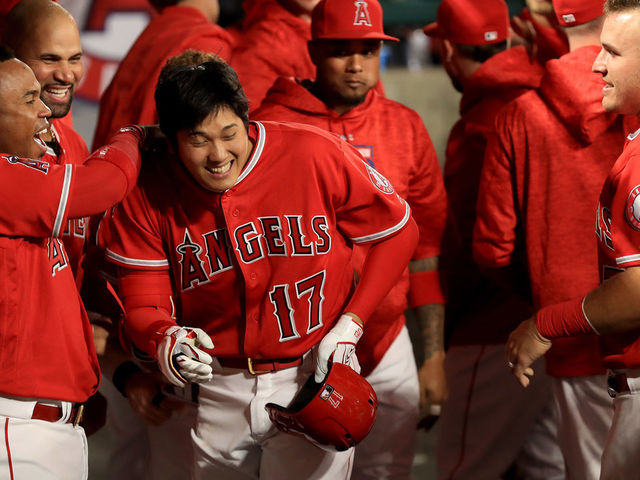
219	170
38	139
59	93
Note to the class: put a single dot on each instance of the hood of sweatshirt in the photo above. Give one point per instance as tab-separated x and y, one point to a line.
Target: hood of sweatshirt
505	75
258	11
574	93
294	94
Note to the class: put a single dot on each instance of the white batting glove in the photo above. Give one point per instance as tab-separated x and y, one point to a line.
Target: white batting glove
180	359
340	342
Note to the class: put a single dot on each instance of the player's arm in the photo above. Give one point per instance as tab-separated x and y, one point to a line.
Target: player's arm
612	307
37	198
385	262
427	304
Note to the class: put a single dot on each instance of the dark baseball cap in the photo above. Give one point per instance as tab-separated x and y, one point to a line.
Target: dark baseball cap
471	22
348	20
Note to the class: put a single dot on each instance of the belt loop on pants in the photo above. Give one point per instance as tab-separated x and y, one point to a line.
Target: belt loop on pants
617	383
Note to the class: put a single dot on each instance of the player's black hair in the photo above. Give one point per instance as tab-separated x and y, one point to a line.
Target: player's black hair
6	53
482	53
620	5
187	95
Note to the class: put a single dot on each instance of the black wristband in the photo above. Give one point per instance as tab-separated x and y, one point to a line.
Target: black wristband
122	374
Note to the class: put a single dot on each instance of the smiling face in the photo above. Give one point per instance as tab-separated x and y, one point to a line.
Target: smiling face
346	71
22	113
215	151
619	62
54	53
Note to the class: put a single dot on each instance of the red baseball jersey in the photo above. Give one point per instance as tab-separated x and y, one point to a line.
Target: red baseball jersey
379	128
263	268
72	150
129	99
618	233
46	341
273	44
478	310
553	150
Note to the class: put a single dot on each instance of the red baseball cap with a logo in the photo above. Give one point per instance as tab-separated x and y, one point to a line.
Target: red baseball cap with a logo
471	22
571	13
348	20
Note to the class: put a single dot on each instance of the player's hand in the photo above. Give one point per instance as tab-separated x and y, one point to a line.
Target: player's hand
524	346
524	34
180	359
143	389
340	342
433	387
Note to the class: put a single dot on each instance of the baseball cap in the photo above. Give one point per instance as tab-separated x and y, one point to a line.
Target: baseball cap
571	13
470	22
348	20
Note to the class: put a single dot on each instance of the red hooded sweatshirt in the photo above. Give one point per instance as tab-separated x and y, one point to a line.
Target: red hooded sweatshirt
273	44
478	311
130	96
551	154
393	139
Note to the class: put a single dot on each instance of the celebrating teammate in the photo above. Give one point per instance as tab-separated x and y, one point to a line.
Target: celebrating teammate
341	99
44	383
613	306
45	37
235	254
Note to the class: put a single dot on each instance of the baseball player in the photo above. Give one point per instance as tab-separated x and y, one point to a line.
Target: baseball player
45	36
544	199
342	100
613	306
180	24
488	423
44	383
235	267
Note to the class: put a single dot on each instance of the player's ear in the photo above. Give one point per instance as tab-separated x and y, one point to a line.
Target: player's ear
447	50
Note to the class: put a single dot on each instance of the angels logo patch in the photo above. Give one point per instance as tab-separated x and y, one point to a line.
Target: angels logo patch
632	208
28	162
378	180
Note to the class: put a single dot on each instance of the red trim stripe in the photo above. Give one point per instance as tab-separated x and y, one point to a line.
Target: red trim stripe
6	440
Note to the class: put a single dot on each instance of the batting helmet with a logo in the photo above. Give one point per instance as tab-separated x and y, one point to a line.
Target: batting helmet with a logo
335	414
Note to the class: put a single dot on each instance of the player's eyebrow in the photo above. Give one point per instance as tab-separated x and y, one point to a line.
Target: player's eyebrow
30	93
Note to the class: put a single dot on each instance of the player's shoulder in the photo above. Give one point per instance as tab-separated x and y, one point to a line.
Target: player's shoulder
303	135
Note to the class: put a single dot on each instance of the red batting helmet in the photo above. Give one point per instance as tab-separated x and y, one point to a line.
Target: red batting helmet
335	414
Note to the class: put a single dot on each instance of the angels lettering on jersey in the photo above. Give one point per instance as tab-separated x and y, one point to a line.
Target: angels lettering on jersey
202	257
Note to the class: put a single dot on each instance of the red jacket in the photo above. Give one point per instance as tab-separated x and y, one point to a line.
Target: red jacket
477	309
129	98
273	44
551	154
393	139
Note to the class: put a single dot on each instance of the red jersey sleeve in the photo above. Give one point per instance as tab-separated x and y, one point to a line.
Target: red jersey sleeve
494	234
427	198
34	196
371	209
131	236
